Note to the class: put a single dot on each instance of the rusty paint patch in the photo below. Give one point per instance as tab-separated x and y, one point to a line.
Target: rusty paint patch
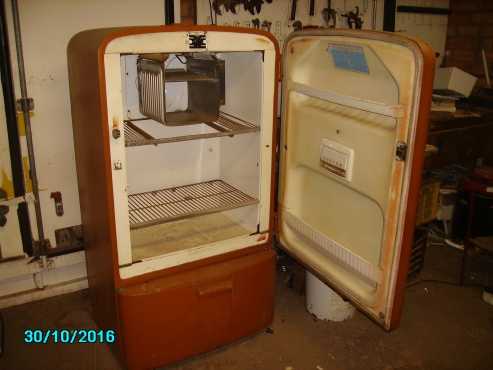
395	202
116	122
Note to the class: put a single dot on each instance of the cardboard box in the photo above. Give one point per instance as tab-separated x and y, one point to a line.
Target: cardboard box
455	80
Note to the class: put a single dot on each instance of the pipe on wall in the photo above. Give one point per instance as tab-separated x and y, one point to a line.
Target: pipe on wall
25	103
169	11
13	134
389	15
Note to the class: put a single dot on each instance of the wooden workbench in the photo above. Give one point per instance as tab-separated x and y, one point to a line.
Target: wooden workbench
460	137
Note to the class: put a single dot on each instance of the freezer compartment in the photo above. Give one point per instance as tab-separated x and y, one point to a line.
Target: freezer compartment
205	308
203	75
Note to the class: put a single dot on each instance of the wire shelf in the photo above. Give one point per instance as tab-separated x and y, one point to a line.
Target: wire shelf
225	125
159	206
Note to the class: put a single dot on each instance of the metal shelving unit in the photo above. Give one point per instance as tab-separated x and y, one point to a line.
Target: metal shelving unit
225	125
170	204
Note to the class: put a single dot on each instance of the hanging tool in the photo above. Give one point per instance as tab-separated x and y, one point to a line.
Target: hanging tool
258	5
354	20
312	8
266	25
57	198
230	5
293	10
328	15
298	26
253	6
216	5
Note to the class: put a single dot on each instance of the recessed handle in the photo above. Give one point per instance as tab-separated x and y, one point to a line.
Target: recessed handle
217	288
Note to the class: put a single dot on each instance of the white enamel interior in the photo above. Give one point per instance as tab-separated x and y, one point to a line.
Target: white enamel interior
347	231
243	161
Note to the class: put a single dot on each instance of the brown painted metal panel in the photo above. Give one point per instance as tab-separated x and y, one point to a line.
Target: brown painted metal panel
415	181
93	173
167	319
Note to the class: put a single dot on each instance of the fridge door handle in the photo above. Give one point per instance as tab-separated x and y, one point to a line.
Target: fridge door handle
217	288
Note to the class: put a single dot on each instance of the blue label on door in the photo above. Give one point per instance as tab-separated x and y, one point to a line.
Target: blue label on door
351	58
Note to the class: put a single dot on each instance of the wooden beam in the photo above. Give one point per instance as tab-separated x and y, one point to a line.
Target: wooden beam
422	10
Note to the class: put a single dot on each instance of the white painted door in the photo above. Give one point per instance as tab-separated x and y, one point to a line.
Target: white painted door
350	108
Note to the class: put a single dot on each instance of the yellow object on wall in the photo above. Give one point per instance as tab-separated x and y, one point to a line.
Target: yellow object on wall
21	124
26	171
7	185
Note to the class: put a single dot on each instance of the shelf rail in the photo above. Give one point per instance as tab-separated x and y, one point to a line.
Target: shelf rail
225	125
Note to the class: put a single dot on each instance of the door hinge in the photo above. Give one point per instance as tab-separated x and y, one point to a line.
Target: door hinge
401	151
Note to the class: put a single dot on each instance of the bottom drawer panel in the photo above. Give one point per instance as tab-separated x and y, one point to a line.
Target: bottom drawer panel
167	319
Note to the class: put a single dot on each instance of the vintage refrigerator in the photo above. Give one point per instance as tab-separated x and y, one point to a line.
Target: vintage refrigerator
187	178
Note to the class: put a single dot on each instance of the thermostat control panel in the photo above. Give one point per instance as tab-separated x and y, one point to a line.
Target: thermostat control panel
337	159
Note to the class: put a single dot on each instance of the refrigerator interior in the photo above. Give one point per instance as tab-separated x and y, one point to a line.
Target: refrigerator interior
190	186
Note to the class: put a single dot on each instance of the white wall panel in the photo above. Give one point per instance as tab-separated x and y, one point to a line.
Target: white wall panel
431	28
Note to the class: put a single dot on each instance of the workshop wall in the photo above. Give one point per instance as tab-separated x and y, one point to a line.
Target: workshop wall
278	14
430	27
470	30
47	27
10	236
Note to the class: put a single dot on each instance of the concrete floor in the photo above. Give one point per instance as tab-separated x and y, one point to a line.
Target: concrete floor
443	327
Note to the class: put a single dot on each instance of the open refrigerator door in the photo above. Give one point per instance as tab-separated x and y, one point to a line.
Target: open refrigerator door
354	121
